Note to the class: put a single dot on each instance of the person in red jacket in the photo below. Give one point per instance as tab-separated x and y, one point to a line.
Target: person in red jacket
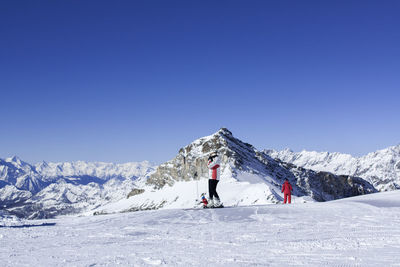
287	191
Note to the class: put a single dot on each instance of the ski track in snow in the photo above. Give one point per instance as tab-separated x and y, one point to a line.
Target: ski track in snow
360	231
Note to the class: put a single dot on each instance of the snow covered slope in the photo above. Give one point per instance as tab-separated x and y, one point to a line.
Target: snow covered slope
381	168
10	195
357	231
248	177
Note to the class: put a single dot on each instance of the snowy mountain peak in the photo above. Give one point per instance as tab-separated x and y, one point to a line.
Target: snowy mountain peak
191	161
42	164
15	160
224	132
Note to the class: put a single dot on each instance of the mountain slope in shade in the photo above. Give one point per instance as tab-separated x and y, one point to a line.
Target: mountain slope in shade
380	168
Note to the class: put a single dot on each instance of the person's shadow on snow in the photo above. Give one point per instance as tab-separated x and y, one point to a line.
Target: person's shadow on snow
27	225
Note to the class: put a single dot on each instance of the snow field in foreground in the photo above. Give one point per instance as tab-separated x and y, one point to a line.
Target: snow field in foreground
359	231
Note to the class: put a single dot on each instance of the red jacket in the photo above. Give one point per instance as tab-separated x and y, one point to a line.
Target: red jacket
287	188
214	167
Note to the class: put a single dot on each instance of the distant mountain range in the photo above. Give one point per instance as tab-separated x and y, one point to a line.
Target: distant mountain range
49	189
380	168
249	177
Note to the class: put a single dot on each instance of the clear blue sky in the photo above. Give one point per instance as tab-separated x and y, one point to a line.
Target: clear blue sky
126	81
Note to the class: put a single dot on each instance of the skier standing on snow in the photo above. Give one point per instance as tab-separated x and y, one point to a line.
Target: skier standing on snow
287	191
214	175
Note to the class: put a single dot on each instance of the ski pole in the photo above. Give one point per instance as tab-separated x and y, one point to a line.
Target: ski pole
197	189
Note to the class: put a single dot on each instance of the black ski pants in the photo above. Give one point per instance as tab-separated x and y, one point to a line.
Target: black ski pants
212	188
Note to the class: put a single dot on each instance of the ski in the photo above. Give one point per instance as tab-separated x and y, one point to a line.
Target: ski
219	207
210	208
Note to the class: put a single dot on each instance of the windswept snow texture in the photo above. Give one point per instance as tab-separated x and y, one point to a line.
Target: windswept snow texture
358	231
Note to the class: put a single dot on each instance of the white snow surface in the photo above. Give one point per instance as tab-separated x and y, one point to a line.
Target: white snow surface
358	231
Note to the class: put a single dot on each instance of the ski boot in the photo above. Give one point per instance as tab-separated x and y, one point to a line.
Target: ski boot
210	203
217	203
